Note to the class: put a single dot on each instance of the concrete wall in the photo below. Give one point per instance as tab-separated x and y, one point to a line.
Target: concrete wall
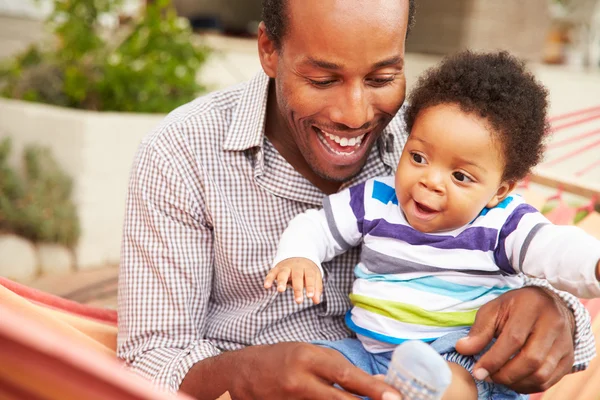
17	33
447	26
231	13
96	150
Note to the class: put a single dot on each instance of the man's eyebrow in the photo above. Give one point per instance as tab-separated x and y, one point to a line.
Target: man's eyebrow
389	62
316	62
322	63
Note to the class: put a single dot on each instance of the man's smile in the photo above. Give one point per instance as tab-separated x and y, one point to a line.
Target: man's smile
341	145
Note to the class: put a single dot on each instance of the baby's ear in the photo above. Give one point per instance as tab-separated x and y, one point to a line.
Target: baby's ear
504	190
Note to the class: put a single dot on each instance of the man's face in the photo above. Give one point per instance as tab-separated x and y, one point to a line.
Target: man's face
339	80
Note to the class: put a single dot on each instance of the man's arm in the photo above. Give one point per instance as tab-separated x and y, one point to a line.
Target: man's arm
165	273
579	322
534	330
283	371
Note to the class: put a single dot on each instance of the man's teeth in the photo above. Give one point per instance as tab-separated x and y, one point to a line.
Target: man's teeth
345	142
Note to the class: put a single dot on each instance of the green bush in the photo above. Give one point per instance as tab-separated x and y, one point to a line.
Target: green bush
37	205
149	64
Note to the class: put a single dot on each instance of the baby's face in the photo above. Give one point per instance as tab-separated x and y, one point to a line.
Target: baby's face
451	168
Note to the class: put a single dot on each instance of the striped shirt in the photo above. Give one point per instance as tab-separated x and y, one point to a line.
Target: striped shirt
209	197
414	285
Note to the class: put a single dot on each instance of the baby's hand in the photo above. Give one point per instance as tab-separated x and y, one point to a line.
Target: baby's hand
299	271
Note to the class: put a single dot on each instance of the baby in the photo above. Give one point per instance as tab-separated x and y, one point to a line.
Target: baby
445	235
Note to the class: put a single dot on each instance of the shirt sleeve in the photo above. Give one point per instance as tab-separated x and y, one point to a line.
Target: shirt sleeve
165	274
320	235
565	256
521	250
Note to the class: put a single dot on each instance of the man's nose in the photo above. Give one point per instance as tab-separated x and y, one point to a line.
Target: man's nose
353	107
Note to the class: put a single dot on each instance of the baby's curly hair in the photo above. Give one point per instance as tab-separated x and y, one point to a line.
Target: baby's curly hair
498	88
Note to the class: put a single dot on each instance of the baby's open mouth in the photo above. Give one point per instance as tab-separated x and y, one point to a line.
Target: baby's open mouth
424	209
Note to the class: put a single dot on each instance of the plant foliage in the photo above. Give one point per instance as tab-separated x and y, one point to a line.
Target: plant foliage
149	64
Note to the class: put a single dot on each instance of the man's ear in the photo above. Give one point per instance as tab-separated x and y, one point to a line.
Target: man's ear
267	52
504	190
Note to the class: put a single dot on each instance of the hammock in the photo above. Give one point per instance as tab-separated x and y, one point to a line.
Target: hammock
55	349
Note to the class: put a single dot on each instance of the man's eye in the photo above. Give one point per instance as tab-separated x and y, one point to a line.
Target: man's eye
382	81
419	159
321	84
459	176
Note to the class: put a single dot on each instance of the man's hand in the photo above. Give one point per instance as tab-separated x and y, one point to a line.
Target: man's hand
290	371
299	271
535	327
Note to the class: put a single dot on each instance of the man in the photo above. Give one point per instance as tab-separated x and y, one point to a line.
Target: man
214	186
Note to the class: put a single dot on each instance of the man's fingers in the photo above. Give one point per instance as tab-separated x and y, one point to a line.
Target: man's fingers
336	369
537	355
544	378
326	392
509	342
540	353
481	333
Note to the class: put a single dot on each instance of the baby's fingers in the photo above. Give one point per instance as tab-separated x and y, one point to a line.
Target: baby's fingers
282	279
270	278
279	274
318	290
311	276
298	284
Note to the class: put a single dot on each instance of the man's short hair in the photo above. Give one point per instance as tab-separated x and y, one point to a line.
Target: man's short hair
274	15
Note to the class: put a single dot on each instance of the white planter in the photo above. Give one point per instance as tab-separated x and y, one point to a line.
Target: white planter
18	259
97	151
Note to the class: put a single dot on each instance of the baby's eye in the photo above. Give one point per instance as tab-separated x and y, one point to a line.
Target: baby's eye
419	159
459	176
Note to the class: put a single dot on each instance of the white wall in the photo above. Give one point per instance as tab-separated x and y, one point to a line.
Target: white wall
38	9
96	150
26	8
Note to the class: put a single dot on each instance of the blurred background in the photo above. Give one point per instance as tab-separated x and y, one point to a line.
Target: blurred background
82	81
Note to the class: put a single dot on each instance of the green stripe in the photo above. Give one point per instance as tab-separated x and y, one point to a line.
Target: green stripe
412	314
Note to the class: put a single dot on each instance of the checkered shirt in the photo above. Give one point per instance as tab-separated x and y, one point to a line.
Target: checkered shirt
209	197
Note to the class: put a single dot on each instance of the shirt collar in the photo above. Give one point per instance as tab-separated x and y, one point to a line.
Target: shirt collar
247	126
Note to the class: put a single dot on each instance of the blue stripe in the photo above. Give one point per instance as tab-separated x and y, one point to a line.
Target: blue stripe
473	238
503	204
357	204
509	227
384	193
431	284
378	336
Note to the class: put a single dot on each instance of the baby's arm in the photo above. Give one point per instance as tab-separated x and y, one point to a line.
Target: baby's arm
312	238
566	256
304	245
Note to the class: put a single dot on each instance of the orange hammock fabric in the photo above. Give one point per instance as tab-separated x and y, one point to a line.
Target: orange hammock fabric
54	349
